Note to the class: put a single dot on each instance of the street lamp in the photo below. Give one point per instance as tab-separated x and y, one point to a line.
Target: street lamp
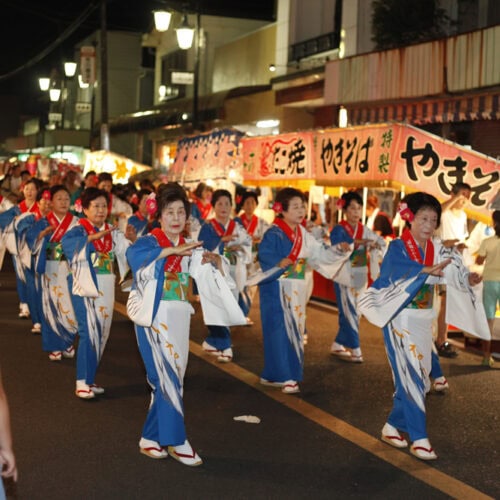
44	84
186	34
162	19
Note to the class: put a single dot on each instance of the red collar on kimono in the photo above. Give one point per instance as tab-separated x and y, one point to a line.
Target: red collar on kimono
102	245
59	227
294	236
249	224
173	263
204	208
413	251
34	209
350	231
219	228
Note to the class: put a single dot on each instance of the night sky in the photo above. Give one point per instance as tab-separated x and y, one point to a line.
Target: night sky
30	26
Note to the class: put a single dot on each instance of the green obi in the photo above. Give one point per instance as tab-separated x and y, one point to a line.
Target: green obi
296	271
424	298
359	258
54	251
175	286
102	262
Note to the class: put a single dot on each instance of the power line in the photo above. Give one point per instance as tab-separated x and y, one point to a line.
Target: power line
58	41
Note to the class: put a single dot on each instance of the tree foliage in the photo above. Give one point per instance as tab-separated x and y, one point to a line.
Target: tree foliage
396	23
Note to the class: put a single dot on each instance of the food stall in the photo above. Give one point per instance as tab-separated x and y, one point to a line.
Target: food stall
120	167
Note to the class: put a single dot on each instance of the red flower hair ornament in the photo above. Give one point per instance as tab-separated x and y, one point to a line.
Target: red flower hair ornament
134	199
405	213
277	207
46	195
340	204
78	206
151	204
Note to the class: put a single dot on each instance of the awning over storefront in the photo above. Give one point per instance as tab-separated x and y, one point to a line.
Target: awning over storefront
479	107
180	111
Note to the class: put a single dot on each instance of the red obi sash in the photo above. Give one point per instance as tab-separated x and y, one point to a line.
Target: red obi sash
102	245
173	263
294	236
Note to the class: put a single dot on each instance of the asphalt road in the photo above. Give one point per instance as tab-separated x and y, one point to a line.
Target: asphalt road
322	443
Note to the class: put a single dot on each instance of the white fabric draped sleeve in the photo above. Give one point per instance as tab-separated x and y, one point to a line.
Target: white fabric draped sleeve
464	308
218	303
120	245
327	260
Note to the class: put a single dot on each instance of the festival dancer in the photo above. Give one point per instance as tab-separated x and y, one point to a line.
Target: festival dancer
202	202
284	252
226	237
13	228
58	323
255	227
401	301
141	219
162	263
118	210
353	277
91	248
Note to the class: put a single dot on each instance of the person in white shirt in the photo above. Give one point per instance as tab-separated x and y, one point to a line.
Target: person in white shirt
453	232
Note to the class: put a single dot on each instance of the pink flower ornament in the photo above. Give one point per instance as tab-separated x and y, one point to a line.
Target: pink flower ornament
78	206
277	207
340	204
405	213
151	204
46	195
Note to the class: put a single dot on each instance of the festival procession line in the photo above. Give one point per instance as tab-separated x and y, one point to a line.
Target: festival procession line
421	471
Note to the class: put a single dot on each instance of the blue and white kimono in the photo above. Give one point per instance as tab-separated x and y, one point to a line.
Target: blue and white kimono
139	223
220	337
58	321
92	286
159	307
14	225
351	280
401	301
283	296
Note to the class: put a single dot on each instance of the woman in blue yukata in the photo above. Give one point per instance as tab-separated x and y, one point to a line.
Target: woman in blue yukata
284	252
13	226
401	301
162	263
58	323
225	236
91	248
353	277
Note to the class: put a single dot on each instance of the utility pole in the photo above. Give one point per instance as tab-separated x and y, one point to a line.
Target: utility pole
104	80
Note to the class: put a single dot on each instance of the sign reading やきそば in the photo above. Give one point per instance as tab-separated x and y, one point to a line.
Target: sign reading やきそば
408	156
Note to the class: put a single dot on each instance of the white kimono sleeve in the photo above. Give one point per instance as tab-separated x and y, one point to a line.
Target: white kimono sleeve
464	309
218	303
120	245
327	260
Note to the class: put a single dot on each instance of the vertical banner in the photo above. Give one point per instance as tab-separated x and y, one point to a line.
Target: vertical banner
87	64
281	157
